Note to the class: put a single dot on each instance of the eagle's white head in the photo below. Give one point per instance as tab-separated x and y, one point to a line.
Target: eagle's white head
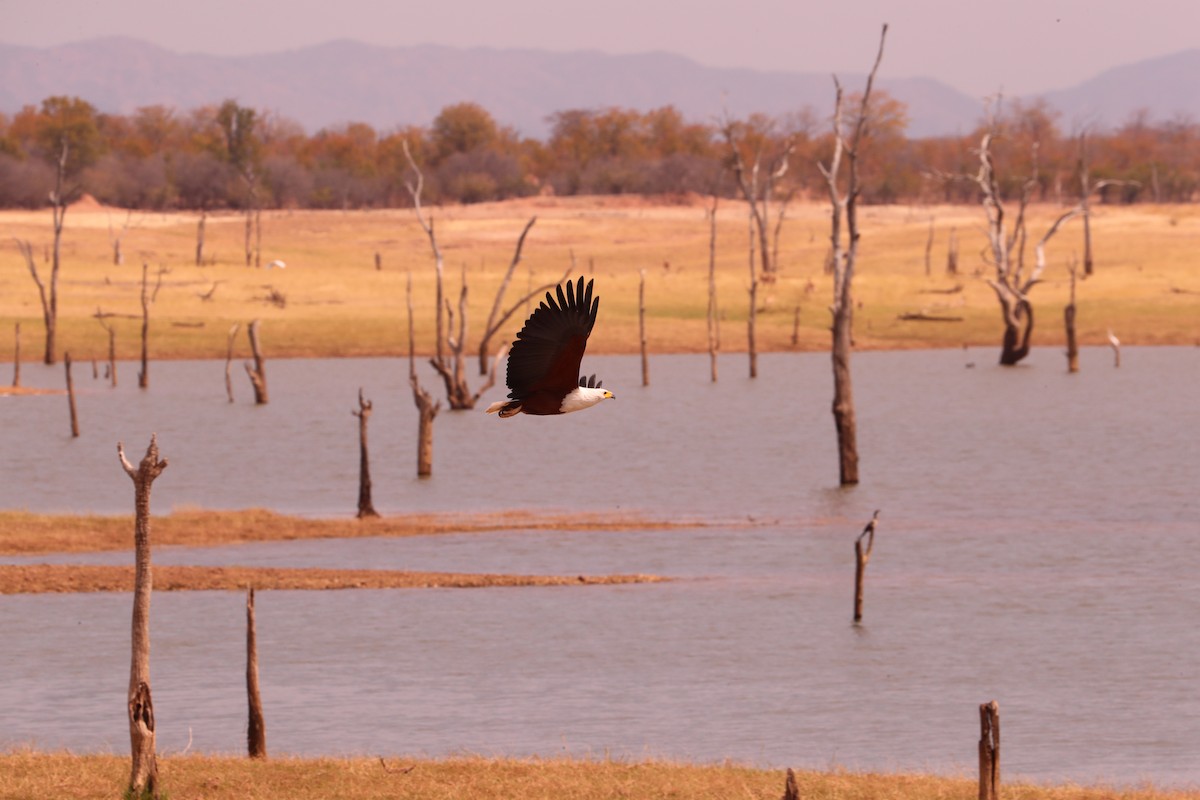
582	397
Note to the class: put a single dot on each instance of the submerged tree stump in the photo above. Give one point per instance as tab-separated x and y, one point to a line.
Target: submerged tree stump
861	557
365	507
71	397
257	373
256	730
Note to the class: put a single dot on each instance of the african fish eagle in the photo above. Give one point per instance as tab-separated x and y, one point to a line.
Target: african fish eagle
543	363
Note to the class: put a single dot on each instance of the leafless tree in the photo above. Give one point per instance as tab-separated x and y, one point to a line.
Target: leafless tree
714	330
111	330
427	408
752	313
365	507
200	237
257	373
844	257
450	346
256	728
1069	323
497	319
759	163
148	297
642	327
1006	247
115	238
47	292
1086	189
143	779
229	361
17	356
862	554
71	397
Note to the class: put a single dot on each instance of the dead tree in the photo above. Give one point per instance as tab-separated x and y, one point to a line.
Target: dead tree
143	778
112	345
714	331
845	205
929	249
861	556
759	162
1115	344
449	348
17	356
496	319
71	397
791	791
365	507
989	751
1069	323
114	239
200	238
752	314
257	373
229	361
378	262
642	327
952	253
256	729
148	298
47	292
427	408
1006	249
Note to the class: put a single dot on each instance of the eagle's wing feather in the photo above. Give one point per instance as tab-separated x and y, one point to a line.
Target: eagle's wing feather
547	351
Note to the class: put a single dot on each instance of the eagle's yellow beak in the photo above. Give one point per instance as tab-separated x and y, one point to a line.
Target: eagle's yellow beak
609	396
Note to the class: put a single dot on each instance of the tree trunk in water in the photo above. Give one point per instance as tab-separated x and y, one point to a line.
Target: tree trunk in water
256	730
425	440
861	557
229	361
71	397
642	328
257	373
17	357
1018	328
365	507
144	375
143	779
843	400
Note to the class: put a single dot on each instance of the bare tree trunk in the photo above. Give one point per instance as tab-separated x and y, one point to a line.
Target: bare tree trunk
844	262
791	791
71	397
427	409
714	336
929	249
752	316
989	751
112	357
200	238
144	375
952	253
143	779
1085	190
642	327
257	231
257	373
1069	321
378	262
256	729
229	361
17	356
365	507
861	557
796	328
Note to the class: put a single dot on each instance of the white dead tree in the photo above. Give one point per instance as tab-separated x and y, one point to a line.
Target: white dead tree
759	161
1006	248
115	238
449	358
844	257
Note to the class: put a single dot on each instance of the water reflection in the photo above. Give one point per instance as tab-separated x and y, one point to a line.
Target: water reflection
1037	546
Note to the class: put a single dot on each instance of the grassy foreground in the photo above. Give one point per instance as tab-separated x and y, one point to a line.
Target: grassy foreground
42	775
332	301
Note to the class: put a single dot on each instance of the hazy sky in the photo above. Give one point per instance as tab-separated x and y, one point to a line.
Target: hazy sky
1019	46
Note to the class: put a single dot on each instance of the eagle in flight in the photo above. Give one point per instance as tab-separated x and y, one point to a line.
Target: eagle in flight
543	363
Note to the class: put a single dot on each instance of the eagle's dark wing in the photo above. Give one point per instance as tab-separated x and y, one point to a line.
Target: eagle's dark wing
546	354
590	382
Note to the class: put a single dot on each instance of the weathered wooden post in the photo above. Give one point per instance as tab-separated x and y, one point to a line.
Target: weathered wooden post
257	373
365	507
256	730
71	397
989	751
143	778
861	557
642	327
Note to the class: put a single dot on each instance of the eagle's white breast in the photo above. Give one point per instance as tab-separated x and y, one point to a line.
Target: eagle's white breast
581	397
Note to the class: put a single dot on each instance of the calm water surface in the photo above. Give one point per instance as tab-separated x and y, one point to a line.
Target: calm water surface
1038	546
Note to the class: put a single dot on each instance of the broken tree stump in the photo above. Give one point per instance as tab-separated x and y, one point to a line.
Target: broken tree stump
256	730
861	556
71	397
257	373
365	507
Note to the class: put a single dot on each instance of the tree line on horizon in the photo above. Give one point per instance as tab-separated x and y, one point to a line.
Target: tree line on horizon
235	157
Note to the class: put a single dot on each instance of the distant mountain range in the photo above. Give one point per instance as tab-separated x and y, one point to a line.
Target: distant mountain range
344	81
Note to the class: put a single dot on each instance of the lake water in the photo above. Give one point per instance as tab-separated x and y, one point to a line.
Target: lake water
1037	546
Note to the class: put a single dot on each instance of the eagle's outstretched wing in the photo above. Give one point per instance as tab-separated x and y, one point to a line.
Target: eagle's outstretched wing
546	354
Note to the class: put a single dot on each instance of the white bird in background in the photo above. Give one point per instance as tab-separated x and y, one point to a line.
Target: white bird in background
1112	339
276	263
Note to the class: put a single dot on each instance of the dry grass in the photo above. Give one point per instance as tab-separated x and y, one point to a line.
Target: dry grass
22	533
54	578
1146	287
29	774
